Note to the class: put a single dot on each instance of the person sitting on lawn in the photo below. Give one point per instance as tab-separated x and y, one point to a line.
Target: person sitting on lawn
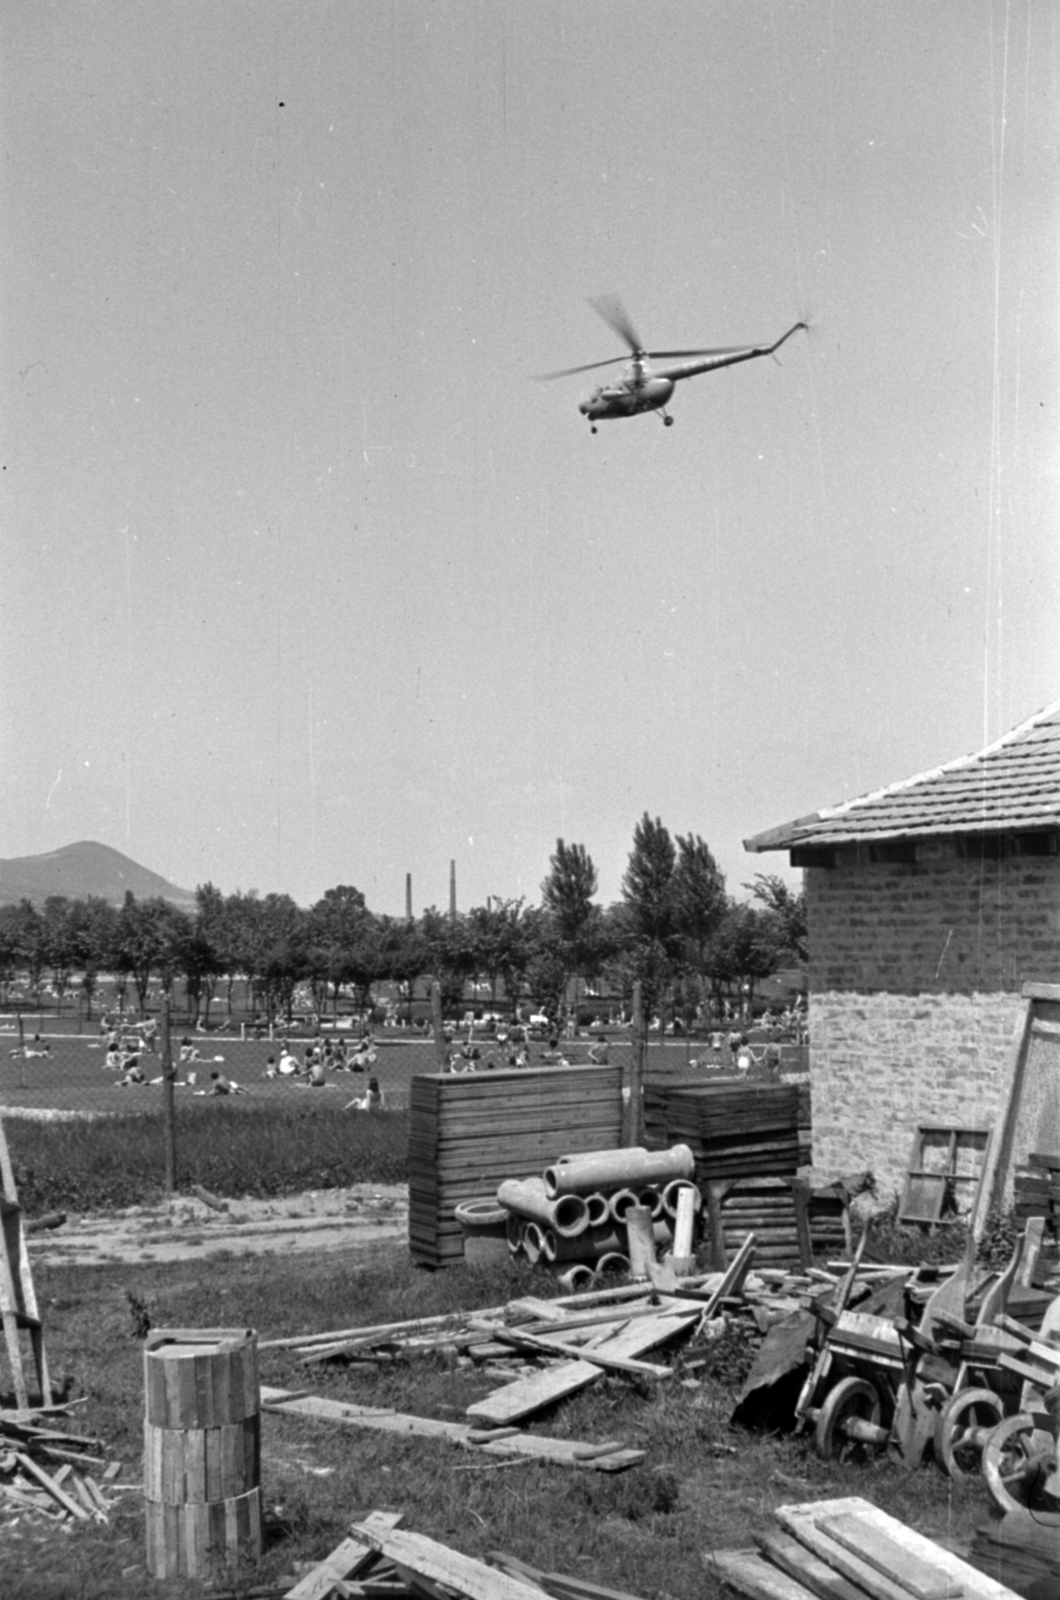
132	1075
372	1101
219	1084
112	1061
36	1051
598	1054
288	1067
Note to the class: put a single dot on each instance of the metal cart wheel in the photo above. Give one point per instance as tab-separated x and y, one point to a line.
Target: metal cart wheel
848	1423
1018	1460
963	1426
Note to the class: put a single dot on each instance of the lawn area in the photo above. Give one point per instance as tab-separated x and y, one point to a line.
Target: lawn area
72	1077
704	1484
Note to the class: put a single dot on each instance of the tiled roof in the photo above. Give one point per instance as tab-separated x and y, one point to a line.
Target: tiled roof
1013	785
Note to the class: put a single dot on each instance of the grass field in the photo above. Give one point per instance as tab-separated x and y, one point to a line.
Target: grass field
72	1076
704	1484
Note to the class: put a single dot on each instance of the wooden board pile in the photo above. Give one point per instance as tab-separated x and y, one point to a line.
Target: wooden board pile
1036	1185
746	1142
49	1474
382	1561
839	1549
735	1129
469	1131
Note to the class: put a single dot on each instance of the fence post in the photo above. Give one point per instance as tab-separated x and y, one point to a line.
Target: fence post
169	1118
440	1052
634	1118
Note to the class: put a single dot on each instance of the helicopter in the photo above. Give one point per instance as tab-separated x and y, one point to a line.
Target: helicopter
643	387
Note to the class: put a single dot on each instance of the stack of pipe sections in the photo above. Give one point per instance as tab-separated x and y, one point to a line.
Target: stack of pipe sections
575	1214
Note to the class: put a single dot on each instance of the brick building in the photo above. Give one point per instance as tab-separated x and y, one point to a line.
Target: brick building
930	904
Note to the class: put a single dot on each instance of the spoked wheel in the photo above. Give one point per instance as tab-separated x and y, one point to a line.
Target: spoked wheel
962	1428
848	1423
1018	1461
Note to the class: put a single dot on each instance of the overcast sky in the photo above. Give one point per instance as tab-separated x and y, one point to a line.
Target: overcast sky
306	582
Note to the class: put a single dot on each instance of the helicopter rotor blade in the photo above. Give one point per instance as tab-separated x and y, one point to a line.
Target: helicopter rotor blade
567	372
675	355
614	313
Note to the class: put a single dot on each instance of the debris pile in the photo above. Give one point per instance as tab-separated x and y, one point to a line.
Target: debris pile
381	1559
547	1350
46	1473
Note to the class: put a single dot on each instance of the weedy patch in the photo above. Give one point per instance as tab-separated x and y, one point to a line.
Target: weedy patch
262	1151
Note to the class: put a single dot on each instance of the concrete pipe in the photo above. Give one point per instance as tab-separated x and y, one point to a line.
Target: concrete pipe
533	1243
652	1199
485	1226
612	1169
599	1208
672	1194
568	1215
576	1278
622	1201
613	1265
516	1227
596	1242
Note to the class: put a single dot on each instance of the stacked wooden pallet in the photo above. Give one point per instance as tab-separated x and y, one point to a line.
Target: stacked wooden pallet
736	1129
1037	1189
745	1138
470	1131
764	1208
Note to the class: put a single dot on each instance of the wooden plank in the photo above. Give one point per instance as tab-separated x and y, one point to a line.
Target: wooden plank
598	1358
506	1443
527	1395
343	1562
732	1278
886	1555
799	1520
439	1564
994	1172
801	1564
58	1494
747	1573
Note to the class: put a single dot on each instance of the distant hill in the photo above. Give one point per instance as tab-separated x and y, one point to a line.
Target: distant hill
78	870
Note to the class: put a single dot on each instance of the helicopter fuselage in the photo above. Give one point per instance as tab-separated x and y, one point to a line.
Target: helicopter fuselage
627	397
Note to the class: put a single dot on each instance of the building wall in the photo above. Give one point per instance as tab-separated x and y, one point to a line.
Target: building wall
915	978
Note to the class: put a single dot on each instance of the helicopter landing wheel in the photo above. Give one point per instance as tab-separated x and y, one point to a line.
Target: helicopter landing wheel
668	422
592	430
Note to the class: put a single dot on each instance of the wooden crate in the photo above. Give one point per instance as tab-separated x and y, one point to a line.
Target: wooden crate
469	1131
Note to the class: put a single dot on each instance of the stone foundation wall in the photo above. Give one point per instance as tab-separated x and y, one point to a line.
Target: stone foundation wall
915	986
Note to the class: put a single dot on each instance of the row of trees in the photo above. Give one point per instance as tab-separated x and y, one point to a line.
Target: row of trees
675	930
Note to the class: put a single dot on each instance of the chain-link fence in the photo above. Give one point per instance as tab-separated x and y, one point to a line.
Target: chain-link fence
57	1069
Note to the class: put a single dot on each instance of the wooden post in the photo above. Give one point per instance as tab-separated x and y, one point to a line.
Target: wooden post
440	1052
635	1102
169	1118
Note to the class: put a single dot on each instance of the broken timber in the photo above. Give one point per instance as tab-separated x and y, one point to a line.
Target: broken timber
527	1395
344	1562
438	1564
510	1443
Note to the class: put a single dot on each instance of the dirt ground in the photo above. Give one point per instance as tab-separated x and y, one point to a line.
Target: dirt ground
187	1228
